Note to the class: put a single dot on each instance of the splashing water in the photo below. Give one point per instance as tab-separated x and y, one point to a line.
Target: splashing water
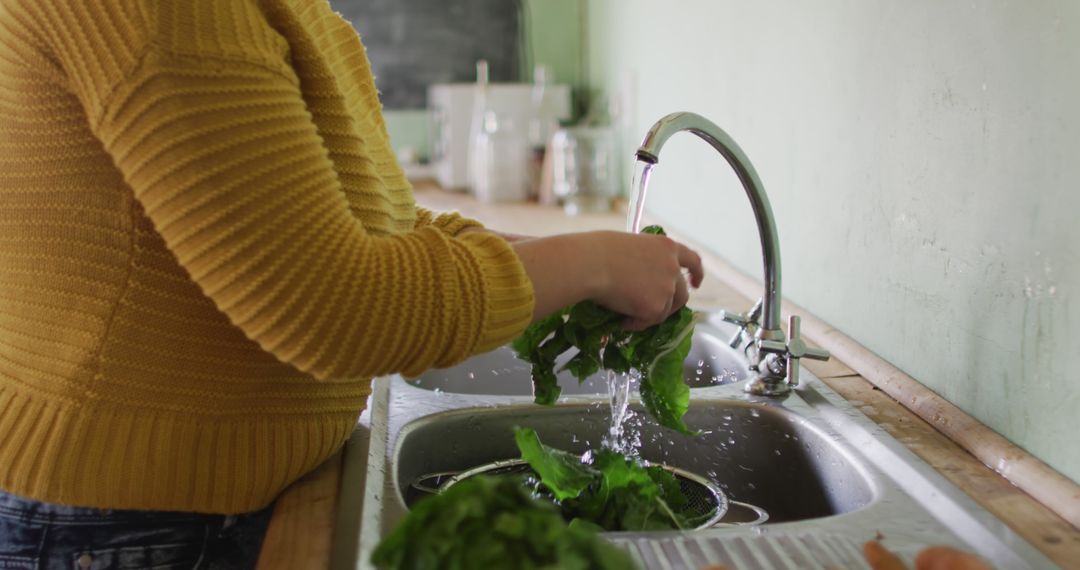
620	436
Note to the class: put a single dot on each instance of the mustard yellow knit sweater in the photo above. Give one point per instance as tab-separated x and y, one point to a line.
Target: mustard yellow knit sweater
207	249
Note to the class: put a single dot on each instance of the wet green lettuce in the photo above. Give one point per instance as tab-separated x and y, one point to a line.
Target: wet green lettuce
657	353
547	521
493	522
611	493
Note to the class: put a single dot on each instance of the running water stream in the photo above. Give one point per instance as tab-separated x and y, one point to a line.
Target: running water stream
621	437
638	186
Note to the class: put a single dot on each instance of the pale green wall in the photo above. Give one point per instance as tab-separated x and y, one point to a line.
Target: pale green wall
923	162
554	34
409	128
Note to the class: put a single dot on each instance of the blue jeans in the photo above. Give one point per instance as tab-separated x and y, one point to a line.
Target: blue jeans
44	536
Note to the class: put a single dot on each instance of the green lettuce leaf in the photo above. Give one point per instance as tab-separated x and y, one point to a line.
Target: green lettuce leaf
562	473
613	492
493	522
663	389
602	344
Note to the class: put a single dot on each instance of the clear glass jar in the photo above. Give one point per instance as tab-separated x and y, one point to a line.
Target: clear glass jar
502	159
584	172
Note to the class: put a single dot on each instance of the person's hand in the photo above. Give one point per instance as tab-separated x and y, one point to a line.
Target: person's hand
948	558
931	558
645	277
638	275
879	557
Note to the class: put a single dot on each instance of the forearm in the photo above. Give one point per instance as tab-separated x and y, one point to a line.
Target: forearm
505	235
561	270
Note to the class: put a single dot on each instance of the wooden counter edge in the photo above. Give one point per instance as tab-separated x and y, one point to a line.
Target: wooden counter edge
302	526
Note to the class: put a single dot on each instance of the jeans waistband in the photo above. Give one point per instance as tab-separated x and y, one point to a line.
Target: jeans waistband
30	510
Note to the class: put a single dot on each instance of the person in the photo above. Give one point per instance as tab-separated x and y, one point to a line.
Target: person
207	249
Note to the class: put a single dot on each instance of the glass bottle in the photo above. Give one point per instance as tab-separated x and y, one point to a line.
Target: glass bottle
502	154
480	110
543	123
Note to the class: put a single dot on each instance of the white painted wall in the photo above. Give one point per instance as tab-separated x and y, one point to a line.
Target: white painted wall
923	162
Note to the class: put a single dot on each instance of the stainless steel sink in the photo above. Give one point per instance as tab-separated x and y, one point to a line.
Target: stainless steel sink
741	445
711	362
829	477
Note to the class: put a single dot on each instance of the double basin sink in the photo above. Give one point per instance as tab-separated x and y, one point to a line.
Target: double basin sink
828	478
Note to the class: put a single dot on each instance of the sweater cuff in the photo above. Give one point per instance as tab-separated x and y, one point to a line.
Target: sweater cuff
449	222
509	302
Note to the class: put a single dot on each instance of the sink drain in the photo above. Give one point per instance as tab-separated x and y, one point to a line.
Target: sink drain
704	499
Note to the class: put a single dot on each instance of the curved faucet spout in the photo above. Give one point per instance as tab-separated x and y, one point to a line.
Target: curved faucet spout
649	152
776	358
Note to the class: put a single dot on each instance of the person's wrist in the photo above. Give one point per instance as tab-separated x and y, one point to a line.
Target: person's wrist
594	263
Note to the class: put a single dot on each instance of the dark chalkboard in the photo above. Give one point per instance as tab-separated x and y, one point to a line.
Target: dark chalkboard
415	43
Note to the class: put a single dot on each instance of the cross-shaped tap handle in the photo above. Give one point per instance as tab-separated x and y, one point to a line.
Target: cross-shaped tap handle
745	321
797	349
793	350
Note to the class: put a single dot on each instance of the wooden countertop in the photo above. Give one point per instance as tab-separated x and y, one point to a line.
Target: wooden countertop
300	531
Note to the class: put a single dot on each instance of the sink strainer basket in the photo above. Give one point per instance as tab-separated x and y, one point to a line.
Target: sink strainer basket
706	502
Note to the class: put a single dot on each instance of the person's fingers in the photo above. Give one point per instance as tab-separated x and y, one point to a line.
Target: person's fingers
948	558
642	322
646	278
689	259
656	314
669	304
682	295
634	325
879	558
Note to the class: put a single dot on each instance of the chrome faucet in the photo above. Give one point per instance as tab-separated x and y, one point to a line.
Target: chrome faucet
774	356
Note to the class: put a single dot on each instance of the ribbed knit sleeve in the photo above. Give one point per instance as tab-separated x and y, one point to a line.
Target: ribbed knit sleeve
227	162
200	210
450	222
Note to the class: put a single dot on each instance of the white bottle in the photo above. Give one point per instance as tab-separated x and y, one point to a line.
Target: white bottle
502	155
480	109
543	122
